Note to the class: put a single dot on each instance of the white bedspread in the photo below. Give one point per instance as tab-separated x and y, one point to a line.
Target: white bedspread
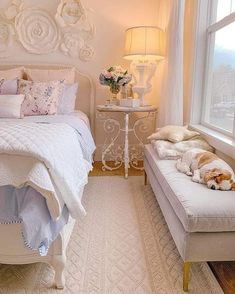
54	162
78	120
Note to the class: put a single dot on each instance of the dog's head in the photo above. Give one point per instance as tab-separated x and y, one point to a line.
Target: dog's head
233	186
219	179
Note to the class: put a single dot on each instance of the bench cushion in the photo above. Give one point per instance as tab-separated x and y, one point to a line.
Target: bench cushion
198	208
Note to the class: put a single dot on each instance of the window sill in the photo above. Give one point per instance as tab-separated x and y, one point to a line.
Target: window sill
219	141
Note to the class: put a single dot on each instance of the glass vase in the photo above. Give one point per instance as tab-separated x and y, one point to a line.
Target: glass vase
114	89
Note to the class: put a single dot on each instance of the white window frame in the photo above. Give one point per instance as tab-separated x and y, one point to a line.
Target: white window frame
211	30
220	139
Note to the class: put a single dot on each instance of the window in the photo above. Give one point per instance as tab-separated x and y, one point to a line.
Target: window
219	80
224	8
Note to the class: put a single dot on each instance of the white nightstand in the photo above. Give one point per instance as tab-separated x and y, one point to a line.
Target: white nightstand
111	125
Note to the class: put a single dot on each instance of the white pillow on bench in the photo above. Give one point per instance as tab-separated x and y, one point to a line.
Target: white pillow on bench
173	134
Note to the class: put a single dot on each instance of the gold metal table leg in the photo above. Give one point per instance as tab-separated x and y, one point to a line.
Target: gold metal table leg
187	266
145	178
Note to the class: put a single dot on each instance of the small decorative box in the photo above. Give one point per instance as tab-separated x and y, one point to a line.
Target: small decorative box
129	102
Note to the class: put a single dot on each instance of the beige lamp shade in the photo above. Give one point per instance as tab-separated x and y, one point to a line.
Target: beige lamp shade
144	43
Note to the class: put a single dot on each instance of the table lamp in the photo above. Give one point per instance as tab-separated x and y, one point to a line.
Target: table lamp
144	46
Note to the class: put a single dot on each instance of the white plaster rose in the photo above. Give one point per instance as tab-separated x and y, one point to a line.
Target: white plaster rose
73	18
6	38
86	53
15	7
37	31
71	44
69	13
87	30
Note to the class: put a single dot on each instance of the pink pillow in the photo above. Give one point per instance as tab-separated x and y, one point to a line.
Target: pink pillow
14	73
8	87
44	75
40	98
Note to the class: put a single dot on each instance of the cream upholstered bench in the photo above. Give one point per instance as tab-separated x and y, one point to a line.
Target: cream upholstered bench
201	221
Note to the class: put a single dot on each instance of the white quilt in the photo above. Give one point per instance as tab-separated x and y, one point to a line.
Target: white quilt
47	157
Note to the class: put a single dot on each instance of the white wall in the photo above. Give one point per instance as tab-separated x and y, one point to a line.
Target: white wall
111	19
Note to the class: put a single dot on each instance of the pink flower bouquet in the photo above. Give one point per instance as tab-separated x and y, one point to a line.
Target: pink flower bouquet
115	77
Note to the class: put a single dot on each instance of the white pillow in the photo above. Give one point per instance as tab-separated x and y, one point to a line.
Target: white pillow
173	134
8	87
10	106
66	102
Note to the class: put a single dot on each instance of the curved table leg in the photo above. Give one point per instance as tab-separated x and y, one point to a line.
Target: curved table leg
110	125
143	125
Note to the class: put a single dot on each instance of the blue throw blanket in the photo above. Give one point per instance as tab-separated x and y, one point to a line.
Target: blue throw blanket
28	207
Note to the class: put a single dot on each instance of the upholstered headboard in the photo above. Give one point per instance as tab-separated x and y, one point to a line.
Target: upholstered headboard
85	98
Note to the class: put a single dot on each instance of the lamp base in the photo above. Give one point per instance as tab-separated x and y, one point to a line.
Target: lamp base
143	73
144	103
141	91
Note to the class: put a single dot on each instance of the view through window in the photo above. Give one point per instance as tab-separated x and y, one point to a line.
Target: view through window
220	85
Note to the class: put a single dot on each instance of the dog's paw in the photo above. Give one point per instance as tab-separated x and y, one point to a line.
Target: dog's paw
189	173
195	179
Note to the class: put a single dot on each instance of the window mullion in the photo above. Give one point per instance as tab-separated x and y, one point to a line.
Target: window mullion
222	23
208	78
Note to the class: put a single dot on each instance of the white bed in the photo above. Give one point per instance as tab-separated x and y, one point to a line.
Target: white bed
12	247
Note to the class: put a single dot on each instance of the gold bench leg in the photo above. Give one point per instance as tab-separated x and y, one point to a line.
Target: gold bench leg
187	266
145	178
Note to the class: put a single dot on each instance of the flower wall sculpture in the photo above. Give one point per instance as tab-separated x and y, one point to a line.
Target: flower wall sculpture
37	31
71	44
77	29
40	33
13	9
70	13
86	53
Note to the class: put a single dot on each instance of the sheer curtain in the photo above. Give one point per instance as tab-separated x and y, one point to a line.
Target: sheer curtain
170	84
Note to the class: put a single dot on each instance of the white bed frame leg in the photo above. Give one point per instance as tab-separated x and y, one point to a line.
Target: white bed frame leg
58	263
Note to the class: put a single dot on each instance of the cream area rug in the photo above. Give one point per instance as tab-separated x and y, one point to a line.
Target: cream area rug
122	246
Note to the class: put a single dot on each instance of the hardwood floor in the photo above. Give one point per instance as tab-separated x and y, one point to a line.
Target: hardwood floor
98	172
225	274
223	271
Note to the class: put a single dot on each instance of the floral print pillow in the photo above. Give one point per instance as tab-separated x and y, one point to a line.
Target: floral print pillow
41	98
